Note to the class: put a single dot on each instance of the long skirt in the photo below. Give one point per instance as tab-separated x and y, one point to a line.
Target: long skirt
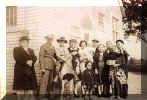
23	81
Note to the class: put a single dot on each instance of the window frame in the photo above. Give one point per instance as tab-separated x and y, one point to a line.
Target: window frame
115	27
11	18
101	19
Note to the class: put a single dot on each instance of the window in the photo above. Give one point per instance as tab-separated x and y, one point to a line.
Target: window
115	28
86	36
11	16
101	19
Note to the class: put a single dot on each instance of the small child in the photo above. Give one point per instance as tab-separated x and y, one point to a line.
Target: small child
88	79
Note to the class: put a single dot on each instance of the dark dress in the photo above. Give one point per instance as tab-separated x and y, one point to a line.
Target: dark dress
75	60
106	82
99	65
23	81
74	57
89	79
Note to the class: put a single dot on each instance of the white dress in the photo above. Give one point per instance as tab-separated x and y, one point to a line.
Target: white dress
85	54
64	54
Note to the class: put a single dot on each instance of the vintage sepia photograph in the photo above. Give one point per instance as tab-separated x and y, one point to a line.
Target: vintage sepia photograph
74	52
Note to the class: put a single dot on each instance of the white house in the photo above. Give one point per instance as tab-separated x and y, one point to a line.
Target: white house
81	22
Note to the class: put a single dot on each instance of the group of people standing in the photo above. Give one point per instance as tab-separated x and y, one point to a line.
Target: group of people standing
95	70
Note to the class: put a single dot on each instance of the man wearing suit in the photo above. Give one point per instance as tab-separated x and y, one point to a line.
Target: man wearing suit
47	63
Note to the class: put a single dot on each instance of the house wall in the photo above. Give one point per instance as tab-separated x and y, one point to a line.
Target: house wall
12	37
107	33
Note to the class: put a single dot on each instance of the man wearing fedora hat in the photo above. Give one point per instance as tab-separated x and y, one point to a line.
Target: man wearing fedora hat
95	43
47	59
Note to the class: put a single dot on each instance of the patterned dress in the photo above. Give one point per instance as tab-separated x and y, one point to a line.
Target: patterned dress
119	75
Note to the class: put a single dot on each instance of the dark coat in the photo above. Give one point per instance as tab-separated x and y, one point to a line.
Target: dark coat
107	56
22	81
105	75
96	59
89	78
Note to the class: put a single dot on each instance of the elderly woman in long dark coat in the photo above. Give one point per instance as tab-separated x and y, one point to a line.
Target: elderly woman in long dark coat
24	72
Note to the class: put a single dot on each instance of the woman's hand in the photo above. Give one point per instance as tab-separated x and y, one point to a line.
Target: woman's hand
84	86
30	62
96	71
74	53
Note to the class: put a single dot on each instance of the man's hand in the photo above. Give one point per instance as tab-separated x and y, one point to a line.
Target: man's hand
30	62
95	86
57	69
58	66
43	70
96	71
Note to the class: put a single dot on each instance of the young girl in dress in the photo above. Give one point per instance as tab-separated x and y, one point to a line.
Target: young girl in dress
88	79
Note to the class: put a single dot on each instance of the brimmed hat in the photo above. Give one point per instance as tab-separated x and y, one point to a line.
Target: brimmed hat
95	40
62	39
24	38
119	41
49	36
73	40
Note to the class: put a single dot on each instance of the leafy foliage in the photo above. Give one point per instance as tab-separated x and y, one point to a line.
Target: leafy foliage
133	17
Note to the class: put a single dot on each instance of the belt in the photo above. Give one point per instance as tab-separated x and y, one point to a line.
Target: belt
48	69
48	55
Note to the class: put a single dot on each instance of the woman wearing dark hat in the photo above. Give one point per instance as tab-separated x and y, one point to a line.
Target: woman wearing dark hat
67	72
24	73
95	44
74	51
